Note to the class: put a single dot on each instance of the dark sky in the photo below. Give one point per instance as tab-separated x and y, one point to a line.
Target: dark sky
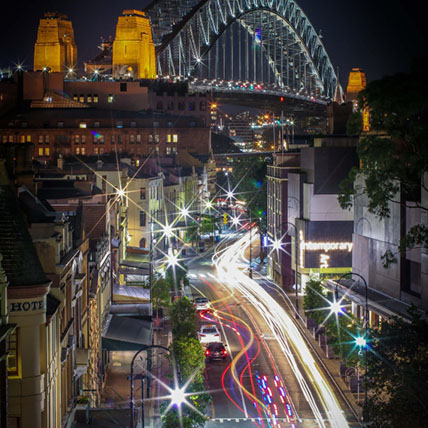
379	36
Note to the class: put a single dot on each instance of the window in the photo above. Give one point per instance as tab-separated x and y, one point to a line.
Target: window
155	124
192	124
169	138
75	97
131	139
119	139
4	139
169	124
110	98
96	124
41	139
13	355
138	138
150	138
133	124
101	150
77	150
95	99
82	98
143	243
159	105
123	87
83	139
191	106
46	138
47	151
168	150
10	139
174	150
202	106
119	124
157	138
89	98
82	125
100	138
142	218
96	150
83	150
24	124
60	124
22	139
142	193
181	105
40	151
175	138
170	105
28	139
77	139
113	138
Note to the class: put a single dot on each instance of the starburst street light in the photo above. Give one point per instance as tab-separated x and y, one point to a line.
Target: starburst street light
277	244
120	193
360	341
178	396
167	230
336	307
230	195
184	212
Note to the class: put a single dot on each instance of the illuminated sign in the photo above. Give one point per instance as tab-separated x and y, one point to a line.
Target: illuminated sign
324	254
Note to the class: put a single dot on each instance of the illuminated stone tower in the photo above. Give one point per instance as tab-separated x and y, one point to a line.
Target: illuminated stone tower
133	48
356	83
55	47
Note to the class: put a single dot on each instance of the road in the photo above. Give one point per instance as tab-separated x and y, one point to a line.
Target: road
270	378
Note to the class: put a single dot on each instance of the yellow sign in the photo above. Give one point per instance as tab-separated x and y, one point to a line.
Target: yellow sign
225	220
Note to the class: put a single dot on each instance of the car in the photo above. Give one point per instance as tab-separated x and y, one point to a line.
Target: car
215	351
202	303
209	334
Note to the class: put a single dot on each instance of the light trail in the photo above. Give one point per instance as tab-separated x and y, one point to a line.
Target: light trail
285	331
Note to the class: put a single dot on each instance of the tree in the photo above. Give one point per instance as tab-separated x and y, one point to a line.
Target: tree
394	156
314	303
398	373
189	354
161	296
209	223
183	318
354	126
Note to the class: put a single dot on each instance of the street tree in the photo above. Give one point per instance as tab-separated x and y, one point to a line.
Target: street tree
398	373
394	155
161	296
314	302
189	354
183	318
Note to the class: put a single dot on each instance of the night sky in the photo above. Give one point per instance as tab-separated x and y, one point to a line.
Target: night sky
379	36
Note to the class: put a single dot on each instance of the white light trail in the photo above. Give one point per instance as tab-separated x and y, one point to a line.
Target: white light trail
285	331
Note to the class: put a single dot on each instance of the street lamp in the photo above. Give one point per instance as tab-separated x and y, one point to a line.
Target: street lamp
132	404
361	341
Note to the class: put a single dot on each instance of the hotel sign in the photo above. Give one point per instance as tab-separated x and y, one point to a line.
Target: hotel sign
26	306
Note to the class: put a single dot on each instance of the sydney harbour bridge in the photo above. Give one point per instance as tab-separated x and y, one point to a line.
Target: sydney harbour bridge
248	47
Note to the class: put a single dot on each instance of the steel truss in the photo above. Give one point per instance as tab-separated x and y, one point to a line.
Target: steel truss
270	42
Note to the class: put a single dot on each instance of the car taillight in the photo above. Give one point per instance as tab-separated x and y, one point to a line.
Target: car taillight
224	352
202	335
207	352
216	334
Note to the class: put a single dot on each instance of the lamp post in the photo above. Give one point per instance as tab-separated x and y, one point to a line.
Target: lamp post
296	247
132	404
361	342
251	251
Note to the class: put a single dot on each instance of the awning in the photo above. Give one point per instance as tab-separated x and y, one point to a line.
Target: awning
126	334
131	294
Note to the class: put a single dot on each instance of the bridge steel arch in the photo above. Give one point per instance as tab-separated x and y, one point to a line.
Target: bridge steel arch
274	31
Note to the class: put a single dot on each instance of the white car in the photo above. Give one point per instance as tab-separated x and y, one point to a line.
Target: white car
202	304
209	334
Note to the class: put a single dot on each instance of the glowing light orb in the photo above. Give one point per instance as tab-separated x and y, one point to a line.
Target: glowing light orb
121	192
177	397
360	341
184	212
277	244
336	307
167	230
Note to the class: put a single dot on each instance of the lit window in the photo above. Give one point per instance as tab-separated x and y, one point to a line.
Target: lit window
40	151
101	150
138	138
28	139
41	139
13	355
89	98
82	125
22	138
77	139
77	150
168	138
131	139
168	150
75	97
96	150
46	138
95	98
10	139
83	151
157	138
82	98
142	193
101	139
175	138
83	139
174	150
110	98
47	151
150	138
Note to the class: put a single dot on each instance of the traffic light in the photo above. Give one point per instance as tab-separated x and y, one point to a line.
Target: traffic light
225	220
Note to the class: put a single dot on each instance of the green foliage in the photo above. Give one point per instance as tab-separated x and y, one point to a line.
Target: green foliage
180	274
249	175
354	126
192	233
161	296
314	303
209	223
189	354
394	156
183	318
398	373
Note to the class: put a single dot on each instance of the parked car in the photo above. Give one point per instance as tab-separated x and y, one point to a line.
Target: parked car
208	334
202	303
215	351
